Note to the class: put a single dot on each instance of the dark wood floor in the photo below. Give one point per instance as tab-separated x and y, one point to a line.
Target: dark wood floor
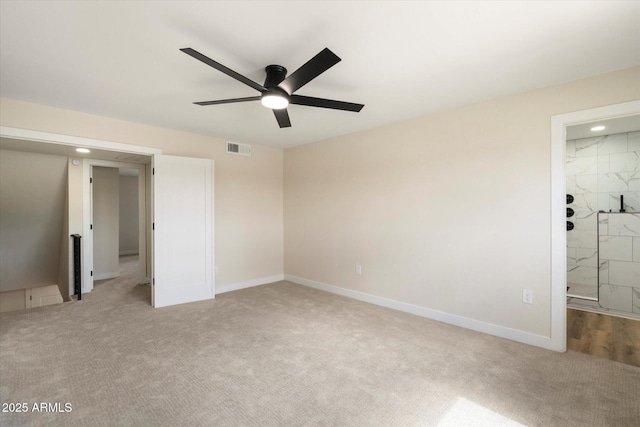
605	336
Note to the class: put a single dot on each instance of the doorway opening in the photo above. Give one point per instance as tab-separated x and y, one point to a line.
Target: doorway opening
559	126
115	196
118	224
179	254
77	211
603	216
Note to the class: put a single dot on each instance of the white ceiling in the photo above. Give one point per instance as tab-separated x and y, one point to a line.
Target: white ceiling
400	59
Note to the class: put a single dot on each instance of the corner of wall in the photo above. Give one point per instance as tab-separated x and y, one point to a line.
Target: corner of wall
64	258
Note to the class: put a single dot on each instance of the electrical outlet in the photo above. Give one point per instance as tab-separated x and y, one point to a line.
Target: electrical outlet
527	296
358	270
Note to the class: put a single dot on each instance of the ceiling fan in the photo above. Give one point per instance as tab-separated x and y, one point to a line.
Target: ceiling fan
277	92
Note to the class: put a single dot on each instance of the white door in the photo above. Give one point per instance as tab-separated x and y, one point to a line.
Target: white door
182	230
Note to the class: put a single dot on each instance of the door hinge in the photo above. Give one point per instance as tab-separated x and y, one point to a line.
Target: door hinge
153	226
91	273
153	171
90	226
90	180
154	281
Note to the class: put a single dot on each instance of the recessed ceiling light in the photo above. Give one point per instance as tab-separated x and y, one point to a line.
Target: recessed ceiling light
597	128
83	150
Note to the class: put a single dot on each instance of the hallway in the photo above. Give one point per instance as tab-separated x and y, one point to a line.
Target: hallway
123	287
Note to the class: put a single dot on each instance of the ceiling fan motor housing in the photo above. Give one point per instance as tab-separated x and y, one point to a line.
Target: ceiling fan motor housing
275	75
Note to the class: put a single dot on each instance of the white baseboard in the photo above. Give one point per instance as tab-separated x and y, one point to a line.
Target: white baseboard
102	276
452	319
220	289
131	252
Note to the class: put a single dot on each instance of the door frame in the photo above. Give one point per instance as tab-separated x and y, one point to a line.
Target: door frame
75	141
87	215
559	124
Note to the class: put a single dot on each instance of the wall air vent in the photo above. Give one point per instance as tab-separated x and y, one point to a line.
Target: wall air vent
236	148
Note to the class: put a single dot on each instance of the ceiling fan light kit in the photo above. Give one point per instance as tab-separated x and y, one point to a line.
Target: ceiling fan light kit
275	101
277	92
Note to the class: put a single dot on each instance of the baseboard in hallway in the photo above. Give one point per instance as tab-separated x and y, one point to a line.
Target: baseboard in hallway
105	276
610	337
132	252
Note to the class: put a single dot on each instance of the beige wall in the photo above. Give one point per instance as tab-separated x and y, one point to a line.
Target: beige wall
248	190
129	215
32	197
450	212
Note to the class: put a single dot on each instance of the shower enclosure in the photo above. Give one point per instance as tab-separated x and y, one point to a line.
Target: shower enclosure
603	222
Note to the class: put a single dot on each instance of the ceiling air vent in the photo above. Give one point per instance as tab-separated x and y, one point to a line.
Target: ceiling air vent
236	148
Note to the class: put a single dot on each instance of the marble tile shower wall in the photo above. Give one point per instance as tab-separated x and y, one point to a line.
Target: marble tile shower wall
599	170
619	259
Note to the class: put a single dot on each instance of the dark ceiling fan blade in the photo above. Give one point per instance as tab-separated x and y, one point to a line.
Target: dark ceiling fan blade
310	70
229	101
324	103
220	67
282	117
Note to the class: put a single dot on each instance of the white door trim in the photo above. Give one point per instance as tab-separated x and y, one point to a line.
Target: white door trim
558	209
76	141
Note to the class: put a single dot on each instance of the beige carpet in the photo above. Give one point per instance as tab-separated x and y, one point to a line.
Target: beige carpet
286	355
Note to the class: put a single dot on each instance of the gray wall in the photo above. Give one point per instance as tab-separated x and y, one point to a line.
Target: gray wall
129	215
106	230
32	198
